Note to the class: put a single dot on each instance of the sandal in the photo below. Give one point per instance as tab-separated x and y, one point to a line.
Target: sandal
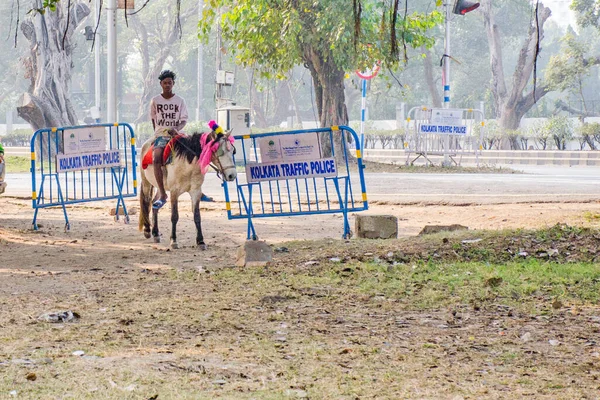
206	198
157	205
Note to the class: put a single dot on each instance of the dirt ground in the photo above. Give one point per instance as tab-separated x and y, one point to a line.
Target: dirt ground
156	323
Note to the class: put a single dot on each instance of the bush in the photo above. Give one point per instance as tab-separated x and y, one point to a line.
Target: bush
19	137
589	133
388	139
561	130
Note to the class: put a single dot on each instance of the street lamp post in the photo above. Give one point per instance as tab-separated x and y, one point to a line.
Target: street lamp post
111	49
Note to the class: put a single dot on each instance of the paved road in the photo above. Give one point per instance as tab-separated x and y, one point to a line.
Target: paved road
536	184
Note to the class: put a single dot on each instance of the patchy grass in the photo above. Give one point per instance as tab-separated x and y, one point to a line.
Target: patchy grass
371	166
16	164
452	315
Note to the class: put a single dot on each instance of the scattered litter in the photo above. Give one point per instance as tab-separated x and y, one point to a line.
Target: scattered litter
312	262
219	382
282	250
470	241
523	253
78	353
335	259
526	337
13	393
553	342
59	316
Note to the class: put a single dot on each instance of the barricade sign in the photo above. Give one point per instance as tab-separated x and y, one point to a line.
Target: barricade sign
297	173
81	164
440	131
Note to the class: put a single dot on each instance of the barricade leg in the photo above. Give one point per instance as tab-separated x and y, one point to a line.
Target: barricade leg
120	199
251	232
62	203
36	203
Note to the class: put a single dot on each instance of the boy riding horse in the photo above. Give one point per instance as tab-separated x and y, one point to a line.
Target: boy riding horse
169	115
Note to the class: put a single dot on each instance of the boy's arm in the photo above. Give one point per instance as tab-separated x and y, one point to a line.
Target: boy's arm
183	116
153	114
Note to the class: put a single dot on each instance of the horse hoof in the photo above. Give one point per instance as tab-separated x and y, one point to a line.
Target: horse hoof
156	239
202	246
174	245
147	235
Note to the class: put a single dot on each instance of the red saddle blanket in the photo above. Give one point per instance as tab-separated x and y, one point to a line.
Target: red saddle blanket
149	157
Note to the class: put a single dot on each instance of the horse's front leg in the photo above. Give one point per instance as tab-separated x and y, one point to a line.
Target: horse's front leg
196	207
174	219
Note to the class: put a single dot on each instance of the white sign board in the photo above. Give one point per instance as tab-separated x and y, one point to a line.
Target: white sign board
84	140
446	116
319	168
77	162
303	146
443	129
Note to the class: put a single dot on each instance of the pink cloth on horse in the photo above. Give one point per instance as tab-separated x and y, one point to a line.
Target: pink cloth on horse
208	149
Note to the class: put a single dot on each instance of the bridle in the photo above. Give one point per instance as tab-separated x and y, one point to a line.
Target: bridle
215	162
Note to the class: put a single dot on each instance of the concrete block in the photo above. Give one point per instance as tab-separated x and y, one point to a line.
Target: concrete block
376	226
254	253
130	211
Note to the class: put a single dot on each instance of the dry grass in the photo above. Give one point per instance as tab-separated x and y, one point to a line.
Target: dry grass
389	320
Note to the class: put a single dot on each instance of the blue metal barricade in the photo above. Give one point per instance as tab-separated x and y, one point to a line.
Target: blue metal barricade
298	185
81	164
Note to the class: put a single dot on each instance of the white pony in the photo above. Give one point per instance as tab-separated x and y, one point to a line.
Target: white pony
191	157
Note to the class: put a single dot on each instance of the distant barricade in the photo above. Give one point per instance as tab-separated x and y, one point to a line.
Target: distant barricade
438	131
297	173
81	164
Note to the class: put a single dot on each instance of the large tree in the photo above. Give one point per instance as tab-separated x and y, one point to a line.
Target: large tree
514	100
49	65
328	38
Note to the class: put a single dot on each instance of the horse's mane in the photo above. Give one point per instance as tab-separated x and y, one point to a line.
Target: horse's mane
188	147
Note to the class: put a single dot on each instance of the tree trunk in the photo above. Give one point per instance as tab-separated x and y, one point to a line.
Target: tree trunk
48	67
512	104
433	88
328	80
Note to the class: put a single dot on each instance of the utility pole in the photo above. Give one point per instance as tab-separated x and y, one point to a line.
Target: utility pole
219	89
111	49
446	58
97	45
461	7
199	76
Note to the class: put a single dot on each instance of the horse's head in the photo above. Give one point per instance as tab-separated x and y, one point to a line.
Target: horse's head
223	157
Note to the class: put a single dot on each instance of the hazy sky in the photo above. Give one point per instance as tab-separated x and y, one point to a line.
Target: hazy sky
561	14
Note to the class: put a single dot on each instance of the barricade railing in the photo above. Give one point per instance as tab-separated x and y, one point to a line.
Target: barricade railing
444	132
301	172
80	164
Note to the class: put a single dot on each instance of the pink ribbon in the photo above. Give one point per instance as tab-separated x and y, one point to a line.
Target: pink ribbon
208	149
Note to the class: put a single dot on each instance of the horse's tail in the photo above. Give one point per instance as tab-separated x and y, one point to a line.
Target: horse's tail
145	200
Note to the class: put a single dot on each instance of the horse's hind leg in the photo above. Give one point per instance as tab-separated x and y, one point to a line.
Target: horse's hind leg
155	232
174	219
196	207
